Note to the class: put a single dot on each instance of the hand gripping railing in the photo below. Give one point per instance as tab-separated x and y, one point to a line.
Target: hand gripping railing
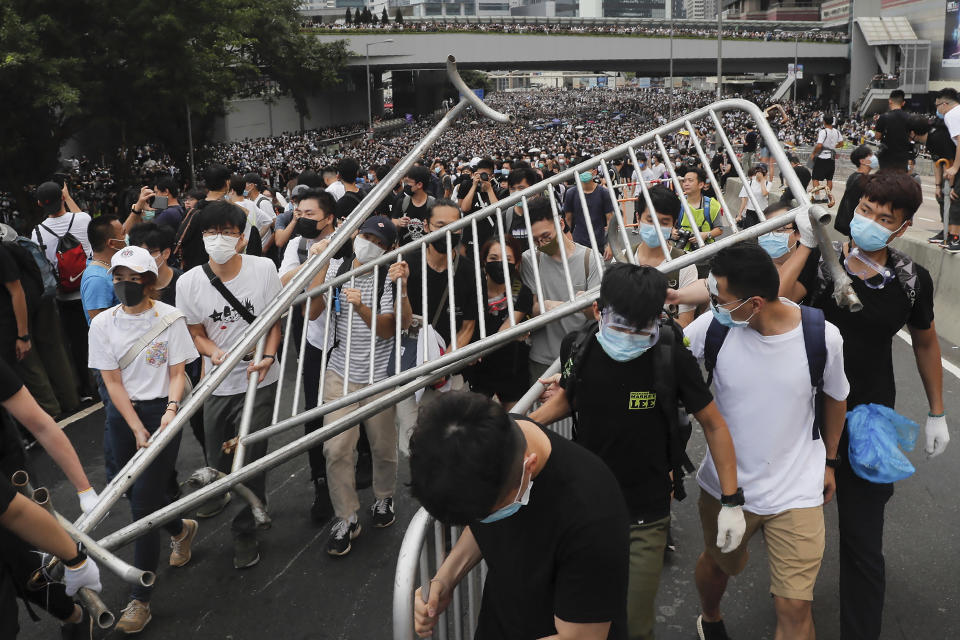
400	384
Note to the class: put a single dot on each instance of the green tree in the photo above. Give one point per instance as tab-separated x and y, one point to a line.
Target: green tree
476	79
357	16
367	16
384	18
348	17
399	17
121	74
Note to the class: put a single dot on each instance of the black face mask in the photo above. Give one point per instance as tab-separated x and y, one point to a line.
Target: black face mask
307	228
495	271
441	244
129	293
408	190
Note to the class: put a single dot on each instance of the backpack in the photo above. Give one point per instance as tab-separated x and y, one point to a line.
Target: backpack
665	385
408	199
71	257
30	278
903	266
48	279
813	326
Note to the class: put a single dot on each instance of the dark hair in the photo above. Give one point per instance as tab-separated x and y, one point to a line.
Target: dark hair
773	207
830	120
664	201
919	124
152	236
636	292
443	202
168	184
237	184
465	452
485	163
860	153
325	201
381	170
99	231
253	178
311	179
897	95
749	271
511	243
519	174
419	174
215	176
348	169
948	93
701	173
540	210
895	188
196	194
220	214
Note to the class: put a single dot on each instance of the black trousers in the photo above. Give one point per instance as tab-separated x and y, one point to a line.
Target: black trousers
311	388
860	504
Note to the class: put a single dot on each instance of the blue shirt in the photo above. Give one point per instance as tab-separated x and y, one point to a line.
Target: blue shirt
96	289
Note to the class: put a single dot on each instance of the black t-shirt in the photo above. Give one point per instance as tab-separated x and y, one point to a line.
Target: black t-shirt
168	295
7	493
848	203
892	125
10	383
868	334
750	142
9	272
939	143
347	203
512	356
565	554
620	420
413	230
464	293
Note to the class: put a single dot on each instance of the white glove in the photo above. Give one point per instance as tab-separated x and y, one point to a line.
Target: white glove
730	528
807	236
937	435
86	575
88	499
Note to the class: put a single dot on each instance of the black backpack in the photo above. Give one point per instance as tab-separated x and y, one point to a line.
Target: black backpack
665	383
30	277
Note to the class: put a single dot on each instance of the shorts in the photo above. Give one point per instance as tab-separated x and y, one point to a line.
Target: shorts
794	539
823	169
763	152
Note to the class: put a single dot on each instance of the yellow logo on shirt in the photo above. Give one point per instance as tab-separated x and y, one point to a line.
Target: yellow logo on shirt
642	400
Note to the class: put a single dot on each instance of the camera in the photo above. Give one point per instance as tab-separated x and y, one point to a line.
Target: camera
683	237
485	177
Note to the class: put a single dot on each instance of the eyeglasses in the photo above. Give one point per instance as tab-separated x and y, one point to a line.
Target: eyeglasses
715	301
209	233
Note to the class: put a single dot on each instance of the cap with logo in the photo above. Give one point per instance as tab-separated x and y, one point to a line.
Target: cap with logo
50	197
7	233
135	258
380	226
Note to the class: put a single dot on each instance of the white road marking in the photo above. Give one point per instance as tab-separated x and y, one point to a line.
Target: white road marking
79	415
292	560
947	365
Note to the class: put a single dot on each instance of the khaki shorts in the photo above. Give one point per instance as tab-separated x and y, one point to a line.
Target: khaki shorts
794	540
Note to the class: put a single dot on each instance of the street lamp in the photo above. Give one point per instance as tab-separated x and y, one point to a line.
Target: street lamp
369	107
719	5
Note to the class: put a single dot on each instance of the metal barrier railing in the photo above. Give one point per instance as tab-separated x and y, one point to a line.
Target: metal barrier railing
361	341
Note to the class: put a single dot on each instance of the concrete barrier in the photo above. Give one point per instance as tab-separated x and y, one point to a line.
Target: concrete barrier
944	268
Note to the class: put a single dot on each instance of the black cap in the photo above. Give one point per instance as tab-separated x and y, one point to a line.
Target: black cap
382	227
50	196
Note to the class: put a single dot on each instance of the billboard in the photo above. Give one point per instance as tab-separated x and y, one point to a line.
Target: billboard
951	35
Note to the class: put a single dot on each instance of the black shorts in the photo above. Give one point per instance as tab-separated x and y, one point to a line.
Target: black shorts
824	168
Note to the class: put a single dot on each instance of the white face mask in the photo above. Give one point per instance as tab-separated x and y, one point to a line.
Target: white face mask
366	250
220	248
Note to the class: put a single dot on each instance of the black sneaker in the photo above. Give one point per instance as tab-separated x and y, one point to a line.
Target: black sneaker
953	244
246	552
383	514
341	533
937	239
711	630
322	509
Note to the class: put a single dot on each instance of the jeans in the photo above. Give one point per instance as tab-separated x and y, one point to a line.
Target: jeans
313	357
150	491
221	419
112	420
860	505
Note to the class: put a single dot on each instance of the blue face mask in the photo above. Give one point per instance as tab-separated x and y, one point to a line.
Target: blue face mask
623	347
649	235
723	316
874	163
586	176
513	507
246	192
869	235
939	115
775	244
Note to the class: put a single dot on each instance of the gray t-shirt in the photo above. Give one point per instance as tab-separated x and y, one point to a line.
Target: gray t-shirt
545	343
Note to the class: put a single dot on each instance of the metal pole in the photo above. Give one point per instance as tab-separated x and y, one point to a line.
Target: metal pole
193	170
369	106
671	71
796	54
719	49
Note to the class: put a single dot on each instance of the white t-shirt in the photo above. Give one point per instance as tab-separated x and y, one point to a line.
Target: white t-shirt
762	388
952	120
762	200
829	138
256	286
114	331
336	190
291	260
78	229
265	215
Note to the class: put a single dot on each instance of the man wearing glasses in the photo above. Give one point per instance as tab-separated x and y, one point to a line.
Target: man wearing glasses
221	299
947	103
624	383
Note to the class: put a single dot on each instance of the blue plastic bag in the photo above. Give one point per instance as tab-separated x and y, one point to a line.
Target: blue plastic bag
877	434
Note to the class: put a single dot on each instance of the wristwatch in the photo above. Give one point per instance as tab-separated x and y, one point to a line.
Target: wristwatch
734	499
834	463
24	338
80	557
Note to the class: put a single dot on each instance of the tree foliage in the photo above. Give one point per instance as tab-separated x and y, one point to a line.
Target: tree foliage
123	73
348	18
399	18
384	18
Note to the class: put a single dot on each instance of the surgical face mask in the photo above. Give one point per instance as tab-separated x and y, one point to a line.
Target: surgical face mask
586	176
551	248
366	250
649	235
149	214
723	315
307	228
622	346
220	248
874	163
129	293
371	177
246	192
513	507
868	234
436	170
939	115
775	244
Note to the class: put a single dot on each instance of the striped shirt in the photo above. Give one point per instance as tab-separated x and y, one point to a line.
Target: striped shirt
360	337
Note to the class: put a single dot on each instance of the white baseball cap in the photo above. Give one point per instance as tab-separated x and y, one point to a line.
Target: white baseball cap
136	258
